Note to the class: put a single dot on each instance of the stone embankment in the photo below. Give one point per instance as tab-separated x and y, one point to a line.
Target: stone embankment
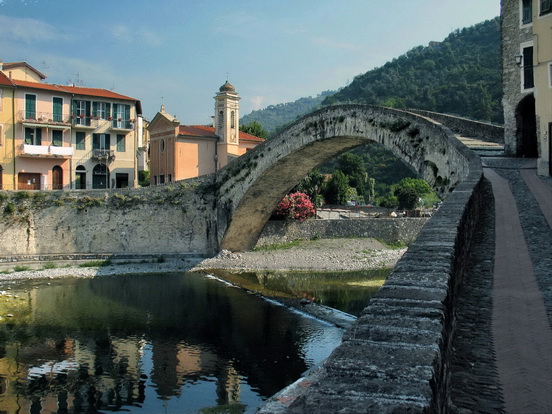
323	254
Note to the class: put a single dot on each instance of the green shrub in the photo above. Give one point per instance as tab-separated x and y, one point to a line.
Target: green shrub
21	268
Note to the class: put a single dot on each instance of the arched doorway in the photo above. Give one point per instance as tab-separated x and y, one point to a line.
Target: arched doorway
100	176
526	122
80	182
57	178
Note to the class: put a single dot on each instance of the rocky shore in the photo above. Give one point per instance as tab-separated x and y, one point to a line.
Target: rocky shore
322	254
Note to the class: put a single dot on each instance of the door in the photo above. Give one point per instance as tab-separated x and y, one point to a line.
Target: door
57	178
100	176
28	181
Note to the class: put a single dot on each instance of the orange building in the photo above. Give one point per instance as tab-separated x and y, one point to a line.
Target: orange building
180	151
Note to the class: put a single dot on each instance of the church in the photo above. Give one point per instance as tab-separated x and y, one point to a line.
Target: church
180	151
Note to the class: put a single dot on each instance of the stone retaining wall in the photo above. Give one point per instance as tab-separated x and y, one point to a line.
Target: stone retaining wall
388	230
396	357
467	127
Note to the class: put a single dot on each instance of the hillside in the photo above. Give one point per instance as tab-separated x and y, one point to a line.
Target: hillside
460	75
275	116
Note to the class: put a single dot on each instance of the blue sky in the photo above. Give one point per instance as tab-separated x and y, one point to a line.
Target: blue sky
181	51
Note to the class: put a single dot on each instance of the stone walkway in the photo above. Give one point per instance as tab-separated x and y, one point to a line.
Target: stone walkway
502	360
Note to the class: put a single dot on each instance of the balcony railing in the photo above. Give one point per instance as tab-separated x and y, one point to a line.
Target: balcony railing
95	122
45	151
103	154
45	118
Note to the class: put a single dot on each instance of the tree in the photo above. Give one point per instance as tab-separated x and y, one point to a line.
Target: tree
312	185
407	198
256	129
296	206
337	188
353	167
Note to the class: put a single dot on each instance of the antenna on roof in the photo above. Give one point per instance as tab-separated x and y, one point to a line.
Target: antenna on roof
227	73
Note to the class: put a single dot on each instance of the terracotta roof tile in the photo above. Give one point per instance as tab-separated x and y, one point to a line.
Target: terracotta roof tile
77	90
209	131
4	80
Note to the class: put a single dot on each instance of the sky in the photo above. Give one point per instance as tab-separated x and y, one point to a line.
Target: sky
179	52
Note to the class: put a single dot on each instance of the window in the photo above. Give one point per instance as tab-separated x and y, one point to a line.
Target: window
549	84
81	112
1	135
162	146
100	141
528	80
161	179
30	106
232	119
121	143
79	140
545	6
121	116
33	136
101	110
57	109
526	11
221	120
57	138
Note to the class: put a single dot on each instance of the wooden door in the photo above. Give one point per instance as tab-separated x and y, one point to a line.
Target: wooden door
28	181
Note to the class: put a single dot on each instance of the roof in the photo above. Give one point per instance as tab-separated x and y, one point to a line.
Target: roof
77	90
209	132
11	65
4	80
227	87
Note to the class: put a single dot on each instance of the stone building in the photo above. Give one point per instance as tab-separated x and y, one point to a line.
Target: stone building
527	79
180	151
58	137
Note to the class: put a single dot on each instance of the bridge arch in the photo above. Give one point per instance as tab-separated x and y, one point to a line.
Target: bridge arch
248	189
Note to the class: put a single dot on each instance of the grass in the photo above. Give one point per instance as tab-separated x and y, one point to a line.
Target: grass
96	263
49	265
21	268
279	246
393	245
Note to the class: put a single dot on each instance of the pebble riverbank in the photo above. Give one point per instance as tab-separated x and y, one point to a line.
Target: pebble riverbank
321	254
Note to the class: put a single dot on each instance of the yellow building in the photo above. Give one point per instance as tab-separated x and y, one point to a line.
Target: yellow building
7	149
526	27
180	151
68	137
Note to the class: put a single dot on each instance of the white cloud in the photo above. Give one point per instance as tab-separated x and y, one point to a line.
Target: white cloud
127	35
256	102
27	30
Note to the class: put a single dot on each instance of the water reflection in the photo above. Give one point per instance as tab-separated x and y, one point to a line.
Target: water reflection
157	343
349	292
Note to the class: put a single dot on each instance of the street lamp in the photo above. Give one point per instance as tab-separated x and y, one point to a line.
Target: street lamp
519	59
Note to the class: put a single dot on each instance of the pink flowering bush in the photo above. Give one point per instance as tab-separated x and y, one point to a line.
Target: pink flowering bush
296	206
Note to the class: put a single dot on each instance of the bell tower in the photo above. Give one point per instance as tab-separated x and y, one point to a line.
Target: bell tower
227	115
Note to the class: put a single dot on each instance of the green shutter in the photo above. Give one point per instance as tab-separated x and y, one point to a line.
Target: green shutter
94	108
38	140
30	106
108	110
58	109
87	114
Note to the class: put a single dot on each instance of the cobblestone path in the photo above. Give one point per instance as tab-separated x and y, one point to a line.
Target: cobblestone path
503	347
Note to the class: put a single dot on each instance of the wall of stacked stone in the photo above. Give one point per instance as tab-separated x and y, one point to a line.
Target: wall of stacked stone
467	127
396	356
388	230
161	220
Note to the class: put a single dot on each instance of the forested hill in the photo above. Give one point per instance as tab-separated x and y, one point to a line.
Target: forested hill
274	116
460	75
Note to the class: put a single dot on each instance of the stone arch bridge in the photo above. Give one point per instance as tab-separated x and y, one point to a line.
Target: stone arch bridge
396	358
248	190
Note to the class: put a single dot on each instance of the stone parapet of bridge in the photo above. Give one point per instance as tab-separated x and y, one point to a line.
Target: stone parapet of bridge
467	127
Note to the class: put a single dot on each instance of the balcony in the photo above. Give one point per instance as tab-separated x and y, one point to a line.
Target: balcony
44	119
94	122
27	150
103	154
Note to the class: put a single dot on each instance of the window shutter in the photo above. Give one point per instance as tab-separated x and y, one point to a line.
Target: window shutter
107	141
38	133
107	110
94	108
